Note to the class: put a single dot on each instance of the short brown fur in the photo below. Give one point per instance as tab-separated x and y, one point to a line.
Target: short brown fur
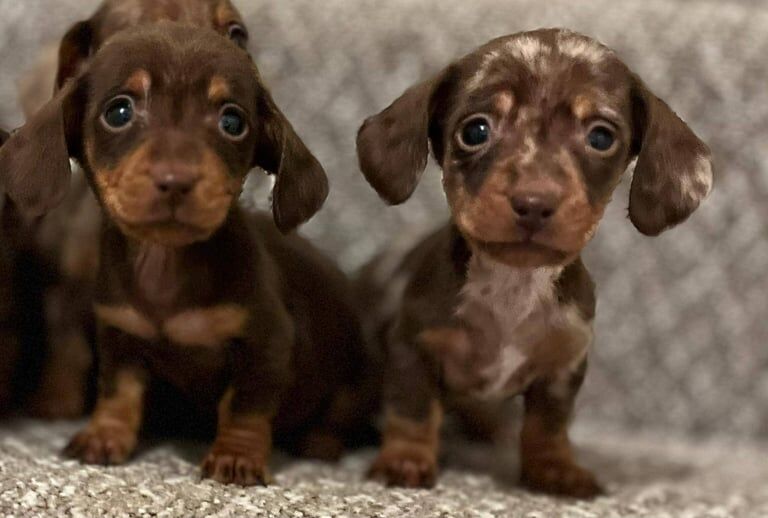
498	303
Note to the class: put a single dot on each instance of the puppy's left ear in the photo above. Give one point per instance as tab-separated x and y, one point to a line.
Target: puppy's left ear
301	186
34	162
674	167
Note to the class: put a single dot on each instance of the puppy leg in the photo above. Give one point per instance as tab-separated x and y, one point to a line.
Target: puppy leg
112	432
261	371
546	455
63	385
9	352
240	453
412	421
347	422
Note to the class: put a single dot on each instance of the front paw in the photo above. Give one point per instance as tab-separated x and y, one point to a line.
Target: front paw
411	466
229	466
560	477
104	445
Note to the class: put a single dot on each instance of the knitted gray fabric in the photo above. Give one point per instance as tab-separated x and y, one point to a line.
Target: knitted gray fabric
681	328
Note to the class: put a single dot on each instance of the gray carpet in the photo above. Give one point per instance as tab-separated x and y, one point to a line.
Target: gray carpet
649	475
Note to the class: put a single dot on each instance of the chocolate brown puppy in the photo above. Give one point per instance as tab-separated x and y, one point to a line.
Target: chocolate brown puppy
193	293
65	244
9	346
533	132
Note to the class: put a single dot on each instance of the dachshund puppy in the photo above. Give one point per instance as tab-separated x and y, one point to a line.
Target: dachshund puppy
9	346
65	243
533	132
193	293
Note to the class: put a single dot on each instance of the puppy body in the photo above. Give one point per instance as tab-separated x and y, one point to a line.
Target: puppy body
533	132
9	335
249	314
65	243
192	293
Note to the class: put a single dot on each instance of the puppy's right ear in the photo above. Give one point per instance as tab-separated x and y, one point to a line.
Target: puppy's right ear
393	146
34	162
75	49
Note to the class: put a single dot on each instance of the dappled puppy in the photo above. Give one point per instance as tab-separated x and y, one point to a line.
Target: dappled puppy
533	132
57	363
193	293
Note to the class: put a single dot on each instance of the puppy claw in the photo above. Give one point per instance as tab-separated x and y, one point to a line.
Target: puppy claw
235	468
404	470
102	446
562	479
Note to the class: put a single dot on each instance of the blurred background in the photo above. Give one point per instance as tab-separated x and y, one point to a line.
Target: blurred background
682	326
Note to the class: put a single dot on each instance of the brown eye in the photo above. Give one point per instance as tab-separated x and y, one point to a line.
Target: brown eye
475	133
601	138
237	33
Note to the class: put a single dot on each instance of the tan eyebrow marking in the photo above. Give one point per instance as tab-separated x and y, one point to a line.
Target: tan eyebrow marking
583	107
504	102
139	83
225	14
219	89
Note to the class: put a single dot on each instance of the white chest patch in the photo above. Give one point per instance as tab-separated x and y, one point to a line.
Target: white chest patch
523	330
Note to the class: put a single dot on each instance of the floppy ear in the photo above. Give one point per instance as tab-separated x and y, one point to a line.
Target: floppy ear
674	167
301	186
393	146
75	48
34	162
3	136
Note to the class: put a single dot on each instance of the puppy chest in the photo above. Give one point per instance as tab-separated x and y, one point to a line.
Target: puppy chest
516	329
209	327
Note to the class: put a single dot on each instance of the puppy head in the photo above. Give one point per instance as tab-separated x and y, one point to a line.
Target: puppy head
533	132
167	121
85	37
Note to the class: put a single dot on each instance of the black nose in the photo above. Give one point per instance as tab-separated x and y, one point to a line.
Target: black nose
174	180
175	185
534	210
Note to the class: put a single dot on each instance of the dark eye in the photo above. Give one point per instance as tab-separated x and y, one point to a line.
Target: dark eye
232	123
601	138
238	34
119	112
475	133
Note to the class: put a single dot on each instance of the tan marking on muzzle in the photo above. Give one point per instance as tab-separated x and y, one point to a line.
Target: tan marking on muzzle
125	193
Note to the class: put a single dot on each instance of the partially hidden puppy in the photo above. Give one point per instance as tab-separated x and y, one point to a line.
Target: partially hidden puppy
57	363
9	343
193	294
533	132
